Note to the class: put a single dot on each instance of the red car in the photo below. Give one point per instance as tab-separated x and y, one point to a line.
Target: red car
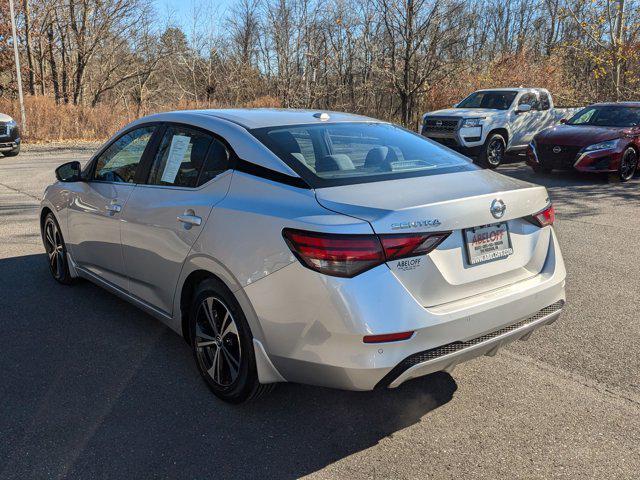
601	138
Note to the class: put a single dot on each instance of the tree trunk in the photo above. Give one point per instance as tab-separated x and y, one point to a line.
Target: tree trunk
52	65
27	37
617	44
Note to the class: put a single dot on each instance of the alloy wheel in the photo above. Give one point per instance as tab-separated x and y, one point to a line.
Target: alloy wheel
217	342
495	152
628	165
55	249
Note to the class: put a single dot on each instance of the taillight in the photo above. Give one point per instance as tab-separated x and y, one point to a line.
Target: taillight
344	255
411	245
545	217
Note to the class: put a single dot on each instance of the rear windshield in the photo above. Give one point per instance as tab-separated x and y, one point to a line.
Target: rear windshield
496	100
607	116
348	153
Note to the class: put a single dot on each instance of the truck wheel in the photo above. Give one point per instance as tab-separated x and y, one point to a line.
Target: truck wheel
493	151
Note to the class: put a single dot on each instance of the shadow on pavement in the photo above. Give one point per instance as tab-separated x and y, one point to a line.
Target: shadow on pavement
94	388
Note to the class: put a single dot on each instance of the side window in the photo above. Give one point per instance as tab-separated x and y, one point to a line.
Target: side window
217	161
120	161
545	104
529	99
180	157
187	158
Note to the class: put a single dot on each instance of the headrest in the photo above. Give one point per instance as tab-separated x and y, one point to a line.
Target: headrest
380	158
286	141
332	163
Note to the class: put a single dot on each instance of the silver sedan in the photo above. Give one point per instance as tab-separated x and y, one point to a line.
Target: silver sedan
302	246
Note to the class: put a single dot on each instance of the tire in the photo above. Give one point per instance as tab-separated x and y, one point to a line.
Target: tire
12	153
222	344
628	166
56	250
493	151
541	169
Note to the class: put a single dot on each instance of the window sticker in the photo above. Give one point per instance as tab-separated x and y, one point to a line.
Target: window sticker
179	145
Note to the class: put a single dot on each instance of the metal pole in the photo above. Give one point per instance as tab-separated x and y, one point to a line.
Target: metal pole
18	74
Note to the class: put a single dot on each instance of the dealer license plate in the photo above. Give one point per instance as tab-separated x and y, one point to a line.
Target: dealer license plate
490	242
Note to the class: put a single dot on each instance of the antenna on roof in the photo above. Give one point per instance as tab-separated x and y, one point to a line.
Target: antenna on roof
323	116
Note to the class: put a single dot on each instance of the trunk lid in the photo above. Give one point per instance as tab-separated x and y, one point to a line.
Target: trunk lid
450	202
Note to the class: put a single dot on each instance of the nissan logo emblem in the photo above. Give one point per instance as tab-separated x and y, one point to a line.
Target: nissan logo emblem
557	149
497	208
438	123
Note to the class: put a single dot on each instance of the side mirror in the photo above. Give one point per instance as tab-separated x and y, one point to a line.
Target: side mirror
523	108
563	120
455	105
69	172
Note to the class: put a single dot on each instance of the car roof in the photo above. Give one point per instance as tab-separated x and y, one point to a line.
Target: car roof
274	117
512	89
616	104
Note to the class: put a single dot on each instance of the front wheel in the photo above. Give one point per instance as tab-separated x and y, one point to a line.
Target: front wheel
56	250
222	344
493	151
628	166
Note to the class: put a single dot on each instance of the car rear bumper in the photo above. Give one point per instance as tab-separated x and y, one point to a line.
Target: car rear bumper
313	325
448	356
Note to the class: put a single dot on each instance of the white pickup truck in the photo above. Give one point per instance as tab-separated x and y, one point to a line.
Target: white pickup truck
490	123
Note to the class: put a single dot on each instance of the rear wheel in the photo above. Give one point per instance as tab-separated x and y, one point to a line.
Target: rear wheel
628	166
222	344
56	250
493	151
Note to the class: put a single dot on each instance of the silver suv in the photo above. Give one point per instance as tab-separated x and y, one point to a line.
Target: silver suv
314	247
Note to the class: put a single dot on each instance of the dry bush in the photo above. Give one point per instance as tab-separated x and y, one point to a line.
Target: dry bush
507	71
49	122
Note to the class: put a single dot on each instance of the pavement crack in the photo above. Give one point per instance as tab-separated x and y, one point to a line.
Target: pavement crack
9	187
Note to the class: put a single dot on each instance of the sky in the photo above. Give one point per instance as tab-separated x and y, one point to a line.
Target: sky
181	12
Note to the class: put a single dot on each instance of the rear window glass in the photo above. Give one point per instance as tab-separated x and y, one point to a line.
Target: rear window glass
348	153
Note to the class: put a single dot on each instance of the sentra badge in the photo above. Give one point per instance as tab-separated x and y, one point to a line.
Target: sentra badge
430	223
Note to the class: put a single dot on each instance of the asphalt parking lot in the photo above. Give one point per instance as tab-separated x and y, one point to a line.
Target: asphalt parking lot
93	388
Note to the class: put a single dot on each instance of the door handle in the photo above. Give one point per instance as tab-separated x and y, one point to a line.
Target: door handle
113	208
190	220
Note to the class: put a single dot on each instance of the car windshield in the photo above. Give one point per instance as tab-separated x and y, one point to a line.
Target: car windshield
347	153
607	116
496	100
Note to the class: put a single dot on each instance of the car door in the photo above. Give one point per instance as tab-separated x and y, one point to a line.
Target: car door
547	116
525	124
163	218
95	208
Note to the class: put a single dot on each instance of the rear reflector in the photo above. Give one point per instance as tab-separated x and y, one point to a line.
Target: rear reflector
545	217
389	337
343	255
